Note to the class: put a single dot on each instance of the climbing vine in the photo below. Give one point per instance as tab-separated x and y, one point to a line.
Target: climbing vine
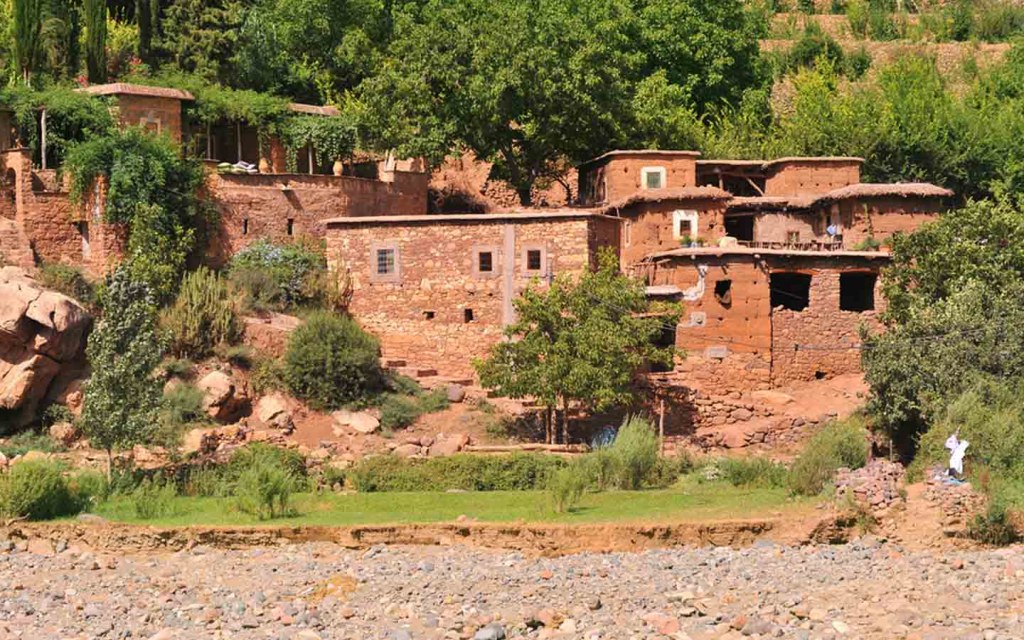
333	137
71	117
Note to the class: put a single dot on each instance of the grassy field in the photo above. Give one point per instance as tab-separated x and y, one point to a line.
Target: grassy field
686	502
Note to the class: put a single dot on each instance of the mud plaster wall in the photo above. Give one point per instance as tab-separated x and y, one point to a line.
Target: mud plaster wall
776	227
742	343
162	115
421	317
810	178
260	206
883	217
620	176
463	184
648	227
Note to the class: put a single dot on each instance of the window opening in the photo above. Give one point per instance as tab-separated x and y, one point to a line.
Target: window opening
857	291
790	290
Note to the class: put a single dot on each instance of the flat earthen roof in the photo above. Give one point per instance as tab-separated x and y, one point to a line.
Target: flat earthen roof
751	251
767	164
668	195
640	152
313	110
889	190
129	89
518	216
772	202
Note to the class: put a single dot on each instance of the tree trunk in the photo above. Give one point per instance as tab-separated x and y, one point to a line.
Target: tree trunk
110	466
565	421
525	193
549	436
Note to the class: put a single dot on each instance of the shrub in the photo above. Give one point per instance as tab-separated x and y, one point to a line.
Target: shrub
68	280
601	469
813	46
240	355
857	64
55	414
177	368
267	375
154	498
203	315
259	454
264	488
206	482
636	449
183	405
839	444
468	472
993	527
278	276
36	490
88	486
21	443
857	15
566	487
398	412
752	472
331	362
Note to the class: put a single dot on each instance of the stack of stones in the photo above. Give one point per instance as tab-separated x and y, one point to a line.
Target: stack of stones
875	486
958	503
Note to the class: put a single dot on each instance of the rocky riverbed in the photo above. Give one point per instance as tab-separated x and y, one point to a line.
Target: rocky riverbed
867	589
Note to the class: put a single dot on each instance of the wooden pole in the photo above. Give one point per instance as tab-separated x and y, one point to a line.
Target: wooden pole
238	135
42	140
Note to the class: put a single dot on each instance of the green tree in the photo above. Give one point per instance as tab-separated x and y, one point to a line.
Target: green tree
122	397
955	294
96	40
200	36
578	342
28	25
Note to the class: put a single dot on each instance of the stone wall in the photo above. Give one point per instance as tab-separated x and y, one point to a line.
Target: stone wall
619	176
463	184
284	207
810	176
734	340
439	310
14	246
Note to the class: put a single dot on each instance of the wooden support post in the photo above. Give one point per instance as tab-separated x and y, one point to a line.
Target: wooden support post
309	151
209	143
238	141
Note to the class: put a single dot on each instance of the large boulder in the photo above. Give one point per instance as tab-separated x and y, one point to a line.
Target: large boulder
359	421
223	399
42	334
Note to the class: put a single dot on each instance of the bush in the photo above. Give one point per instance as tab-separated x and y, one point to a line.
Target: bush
331	362
601	469
89	487
206	482
21	443
36	490
636	449
857	64
267	375
398	412
240	355
264	488
839	444
68	280
813	46
177	368
566	487
993	527
468	472
752	472
278	276
259	454
202	317
182	406
154	498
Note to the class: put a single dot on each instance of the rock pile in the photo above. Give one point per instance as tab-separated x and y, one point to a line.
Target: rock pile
957	503
42	339
875	486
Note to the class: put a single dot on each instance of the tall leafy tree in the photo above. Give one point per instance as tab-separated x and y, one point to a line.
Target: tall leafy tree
96	40
122	397
28	24
578	343
201	36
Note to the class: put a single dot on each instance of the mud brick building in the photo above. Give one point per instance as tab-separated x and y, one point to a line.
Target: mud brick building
439	290
776	263
41	224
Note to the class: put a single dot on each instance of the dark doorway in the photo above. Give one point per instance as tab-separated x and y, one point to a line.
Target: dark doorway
740	227
790	290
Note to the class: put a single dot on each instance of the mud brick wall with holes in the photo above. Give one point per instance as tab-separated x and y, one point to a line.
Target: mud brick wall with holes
758	320
160	115
621	175
438	291
651	227
282	208
810	177
881	218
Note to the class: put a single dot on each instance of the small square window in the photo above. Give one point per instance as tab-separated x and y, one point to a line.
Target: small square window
485	262
428	315
534	261
793	237
467	315
385	262
652	177
291	226
245	226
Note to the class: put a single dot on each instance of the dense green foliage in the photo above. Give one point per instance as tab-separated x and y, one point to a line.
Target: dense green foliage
202	317
71	117
96	39
152	191
36	490
122	397
332	362
515	472
837	445
635	450
578	342
68	280
955	312
398	411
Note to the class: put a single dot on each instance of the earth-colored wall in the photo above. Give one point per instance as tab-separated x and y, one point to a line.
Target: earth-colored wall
620	175
161	115
811	177
648	226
